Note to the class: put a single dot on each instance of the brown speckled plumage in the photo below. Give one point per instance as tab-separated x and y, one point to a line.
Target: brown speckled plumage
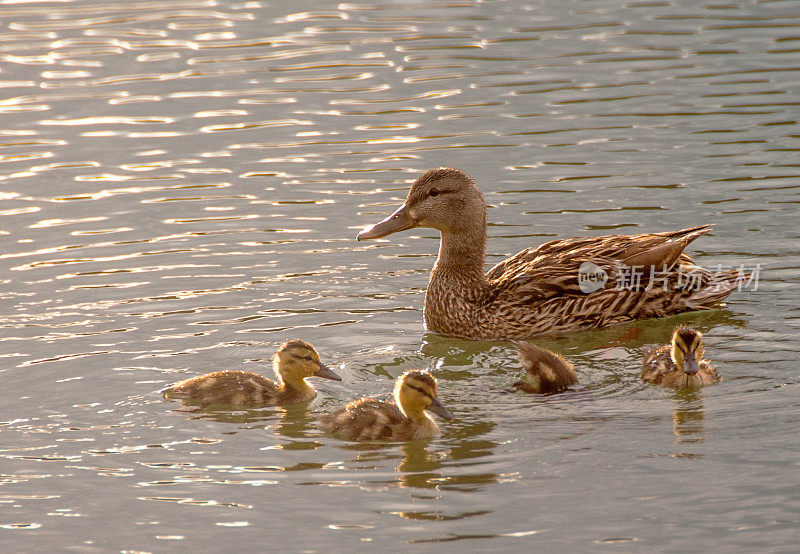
545	372
294	361
664	365
369	419
537	291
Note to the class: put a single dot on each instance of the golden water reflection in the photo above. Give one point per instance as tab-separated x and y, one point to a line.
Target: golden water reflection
294	422
688	416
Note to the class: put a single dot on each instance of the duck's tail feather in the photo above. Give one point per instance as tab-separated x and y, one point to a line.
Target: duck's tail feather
691	233
715	289
664	255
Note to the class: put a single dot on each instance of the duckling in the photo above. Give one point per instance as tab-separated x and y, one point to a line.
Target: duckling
372	419
559	286
680	363
545	372
293	363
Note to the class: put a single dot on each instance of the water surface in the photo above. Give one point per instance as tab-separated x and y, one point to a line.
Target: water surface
180	188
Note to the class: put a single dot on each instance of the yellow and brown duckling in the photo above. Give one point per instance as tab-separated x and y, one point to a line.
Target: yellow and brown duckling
680	363
294	362
369	419
545	372
540	290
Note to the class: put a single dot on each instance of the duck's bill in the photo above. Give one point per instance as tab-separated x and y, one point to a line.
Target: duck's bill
438	408
326	373
398	221
690	365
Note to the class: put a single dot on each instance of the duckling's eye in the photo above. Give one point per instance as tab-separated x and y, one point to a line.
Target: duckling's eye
433	192
420	390
307	358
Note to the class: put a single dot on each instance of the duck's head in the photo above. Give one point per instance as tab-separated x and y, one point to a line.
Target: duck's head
296	359
445	199
415	391
687	349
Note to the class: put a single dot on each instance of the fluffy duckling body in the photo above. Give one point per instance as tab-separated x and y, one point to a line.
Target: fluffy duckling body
680	363
294	362
545	372
370	419
539	290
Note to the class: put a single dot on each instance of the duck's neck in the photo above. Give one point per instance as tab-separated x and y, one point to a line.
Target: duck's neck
294	384
422	425
461	259
415	414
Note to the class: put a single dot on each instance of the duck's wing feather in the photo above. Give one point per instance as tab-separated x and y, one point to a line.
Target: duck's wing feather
365	419
647	249
657	363
552	269
224	387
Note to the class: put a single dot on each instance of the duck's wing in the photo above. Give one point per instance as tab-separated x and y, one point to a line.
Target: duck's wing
656	364
647	249
553	269
224	388
546	277
602	281
708	374
365	419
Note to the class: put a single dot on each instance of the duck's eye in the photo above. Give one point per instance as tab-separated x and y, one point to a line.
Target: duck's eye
420	390
433	192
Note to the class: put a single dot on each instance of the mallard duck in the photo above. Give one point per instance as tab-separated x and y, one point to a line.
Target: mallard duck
680	363
545	372
372	419
294	362
562	285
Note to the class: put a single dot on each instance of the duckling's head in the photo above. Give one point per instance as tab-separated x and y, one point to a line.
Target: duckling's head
445	199
415	391
296	359
687	349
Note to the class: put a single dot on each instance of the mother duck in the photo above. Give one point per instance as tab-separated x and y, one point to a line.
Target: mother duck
562	285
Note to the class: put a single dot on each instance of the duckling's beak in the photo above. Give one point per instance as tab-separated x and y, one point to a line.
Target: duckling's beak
690	364
439	409
326	373
398	221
